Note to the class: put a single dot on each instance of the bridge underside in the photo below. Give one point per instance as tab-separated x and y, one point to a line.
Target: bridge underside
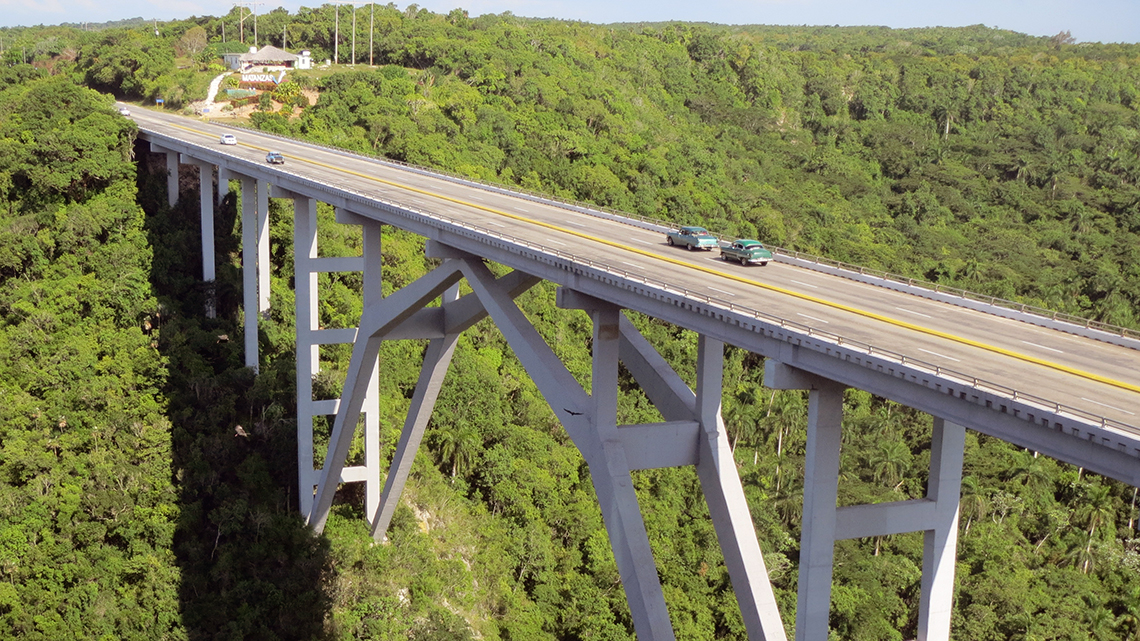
692	433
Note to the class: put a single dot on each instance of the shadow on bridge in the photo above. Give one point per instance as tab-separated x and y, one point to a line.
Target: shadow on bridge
250	567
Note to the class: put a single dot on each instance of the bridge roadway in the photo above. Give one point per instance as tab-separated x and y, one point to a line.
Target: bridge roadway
1090	375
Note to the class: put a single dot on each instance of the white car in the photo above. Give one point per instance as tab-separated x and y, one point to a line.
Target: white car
228	139
123	111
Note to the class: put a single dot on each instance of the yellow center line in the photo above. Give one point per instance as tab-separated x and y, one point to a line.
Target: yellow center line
708	270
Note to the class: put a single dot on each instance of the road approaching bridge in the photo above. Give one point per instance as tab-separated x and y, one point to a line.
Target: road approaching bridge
1073	395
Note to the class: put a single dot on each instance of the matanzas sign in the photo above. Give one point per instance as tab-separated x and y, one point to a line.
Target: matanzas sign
262	77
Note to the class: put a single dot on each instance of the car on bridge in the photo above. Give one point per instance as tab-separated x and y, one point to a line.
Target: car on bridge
692	238
275	158
123	111
747	252
228	139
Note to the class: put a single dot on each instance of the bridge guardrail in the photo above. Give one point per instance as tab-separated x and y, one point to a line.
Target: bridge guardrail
965	294
839	340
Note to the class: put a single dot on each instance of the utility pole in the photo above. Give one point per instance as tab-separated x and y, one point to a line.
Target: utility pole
337	44
255	21
248	4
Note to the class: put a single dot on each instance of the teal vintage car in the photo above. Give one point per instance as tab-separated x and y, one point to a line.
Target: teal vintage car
747	252
692	238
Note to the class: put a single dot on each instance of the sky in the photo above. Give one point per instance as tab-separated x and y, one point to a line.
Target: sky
1086	20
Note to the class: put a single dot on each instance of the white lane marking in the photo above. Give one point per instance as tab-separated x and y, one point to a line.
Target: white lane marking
1108	406
721	291
1043	347
643	242
911	311
574	223
949	358
804	284
811	317
473	197
555	242
624	262
491	222
517	208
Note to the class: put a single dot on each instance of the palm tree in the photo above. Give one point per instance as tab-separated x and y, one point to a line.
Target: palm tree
1033	472
786	411
974	504
890	462
1096	511
457	447
740	417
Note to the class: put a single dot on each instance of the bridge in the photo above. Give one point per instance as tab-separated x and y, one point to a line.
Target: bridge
1059	386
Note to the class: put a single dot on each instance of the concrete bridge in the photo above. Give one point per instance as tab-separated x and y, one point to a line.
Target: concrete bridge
1062	387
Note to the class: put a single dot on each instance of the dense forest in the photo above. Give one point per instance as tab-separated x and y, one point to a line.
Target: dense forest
129	509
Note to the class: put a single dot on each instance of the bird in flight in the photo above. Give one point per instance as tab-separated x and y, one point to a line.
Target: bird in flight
571	412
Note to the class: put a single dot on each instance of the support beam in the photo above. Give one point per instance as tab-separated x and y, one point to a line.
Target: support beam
171	178
728	507
263	266
821	487
249	268
940	542
373	294
664	388
437	357
377	320
591	424
206	213
614	486
456	314
308	349
223	182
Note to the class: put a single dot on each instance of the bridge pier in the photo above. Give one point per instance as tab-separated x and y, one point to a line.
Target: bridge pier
824	524
171	176
206	214
692	435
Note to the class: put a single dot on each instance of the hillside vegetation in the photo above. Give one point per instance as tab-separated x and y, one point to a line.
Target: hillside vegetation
975	157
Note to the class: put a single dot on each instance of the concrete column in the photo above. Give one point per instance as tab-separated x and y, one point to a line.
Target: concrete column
817	540
206	216
609	472
223	182
171	178
249	268
308	352
263	266
374	293
728	507
936	601
206	191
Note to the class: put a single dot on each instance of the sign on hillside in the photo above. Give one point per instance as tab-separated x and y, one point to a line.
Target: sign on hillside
263	77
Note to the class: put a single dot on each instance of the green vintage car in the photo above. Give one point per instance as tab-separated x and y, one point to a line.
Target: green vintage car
692	238
747	252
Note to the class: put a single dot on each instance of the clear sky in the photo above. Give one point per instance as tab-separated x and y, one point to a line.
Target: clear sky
1087	20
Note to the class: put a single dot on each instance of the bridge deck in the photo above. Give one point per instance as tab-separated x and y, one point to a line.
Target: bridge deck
1094	377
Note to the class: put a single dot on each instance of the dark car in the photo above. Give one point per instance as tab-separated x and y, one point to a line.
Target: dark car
275	158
